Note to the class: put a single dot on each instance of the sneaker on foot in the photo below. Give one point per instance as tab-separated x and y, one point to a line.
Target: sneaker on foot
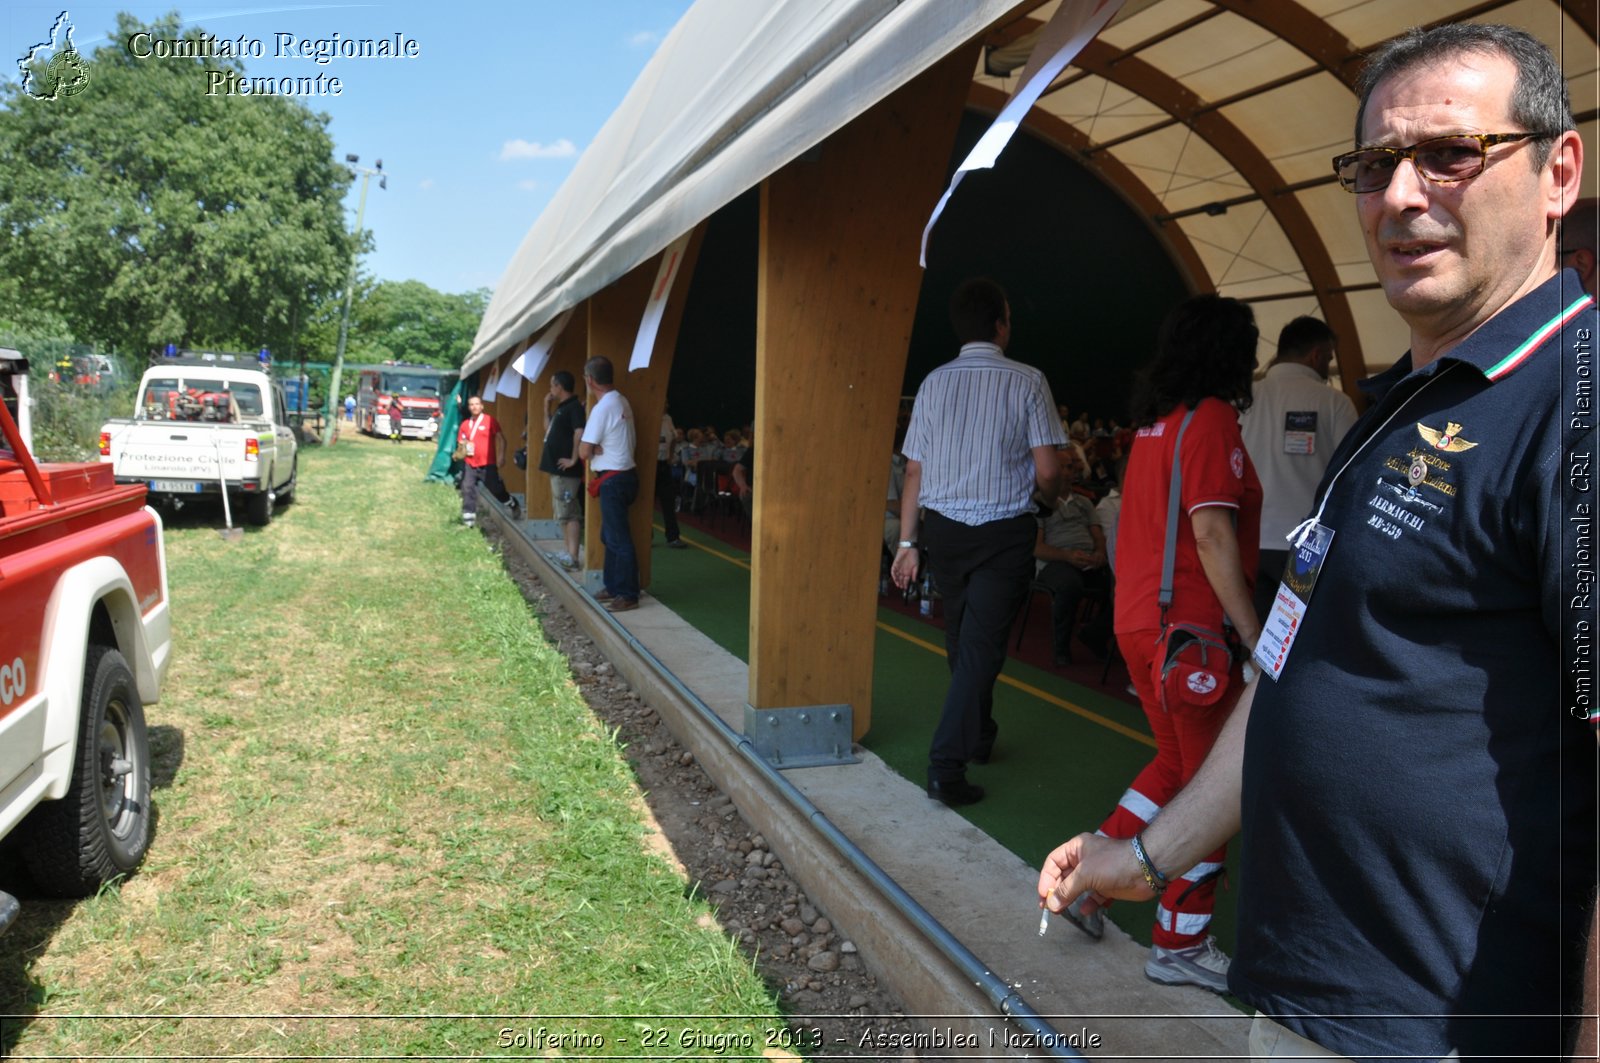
677	544
1204	965
1086	915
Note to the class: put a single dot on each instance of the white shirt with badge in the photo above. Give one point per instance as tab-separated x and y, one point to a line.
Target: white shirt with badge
1294	422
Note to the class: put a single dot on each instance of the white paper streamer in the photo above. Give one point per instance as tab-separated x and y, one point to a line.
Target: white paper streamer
645	342
510	384
531	362
1074	25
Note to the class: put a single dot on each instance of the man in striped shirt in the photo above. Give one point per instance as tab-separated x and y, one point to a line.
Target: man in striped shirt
983	436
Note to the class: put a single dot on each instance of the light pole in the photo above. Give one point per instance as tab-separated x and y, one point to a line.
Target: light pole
332	434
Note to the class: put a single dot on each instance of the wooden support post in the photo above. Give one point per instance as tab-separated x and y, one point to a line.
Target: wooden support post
498	408
614	316
513	423
570	349
836	297
536	502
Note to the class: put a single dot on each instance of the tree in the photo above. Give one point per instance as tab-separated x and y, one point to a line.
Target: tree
144	212
404	321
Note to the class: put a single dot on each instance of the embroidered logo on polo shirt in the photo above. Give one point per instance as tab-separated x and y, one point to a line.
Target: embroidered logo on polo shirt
1399	506
1449	440
1236	462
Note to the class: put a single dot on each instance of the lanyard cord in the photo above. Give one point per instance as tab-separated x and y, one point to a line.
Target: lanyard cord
1298	534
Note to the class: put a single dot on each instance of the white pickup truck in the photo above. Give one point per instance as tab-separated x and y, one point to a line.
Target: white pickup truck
202	424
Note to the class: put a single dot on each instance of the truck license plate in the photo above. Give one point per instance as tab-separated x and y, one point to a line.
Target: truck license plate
175	487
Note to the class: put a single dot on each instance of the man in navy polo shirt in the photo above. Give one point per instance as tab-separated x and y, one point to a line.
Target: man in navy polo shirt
1416	786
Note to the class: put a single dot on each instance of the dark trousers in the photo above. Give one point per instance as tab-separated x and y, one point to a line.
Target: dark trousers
666	496
1269	573
1067	582
621	570
983	573
471	477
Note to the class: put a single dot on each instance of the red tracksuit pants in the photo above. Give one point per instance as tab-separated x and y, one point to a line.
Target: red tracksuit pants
1183	737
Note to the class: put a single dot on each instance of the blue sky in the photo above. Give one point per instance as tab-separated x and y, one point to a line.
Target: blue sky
476	133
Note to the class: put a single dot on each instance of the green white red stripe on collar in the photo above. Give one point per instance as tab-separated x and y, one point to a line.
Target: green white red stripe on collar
1511	361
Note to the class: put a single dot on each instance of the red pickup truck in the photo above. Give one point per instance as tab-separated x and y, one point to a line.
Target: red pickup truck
85	638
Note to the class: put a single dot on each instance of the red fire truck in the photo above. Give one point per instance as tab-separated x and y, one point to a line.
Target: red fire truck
417	388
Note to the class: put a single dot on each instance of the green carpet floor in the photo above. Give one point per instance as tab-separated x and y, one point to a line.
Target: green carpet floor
1065	753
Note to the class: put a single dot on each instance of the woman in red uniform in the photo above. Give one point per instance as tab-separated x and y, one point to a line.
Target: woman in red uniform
1206	356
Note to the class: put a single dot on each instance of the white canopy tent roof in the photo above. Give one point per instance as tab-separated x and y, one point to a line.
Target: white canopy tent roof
736	91
1215	119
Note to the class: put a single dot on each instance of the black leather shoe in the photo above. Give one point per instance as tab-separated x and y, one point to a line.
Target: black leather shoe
954	792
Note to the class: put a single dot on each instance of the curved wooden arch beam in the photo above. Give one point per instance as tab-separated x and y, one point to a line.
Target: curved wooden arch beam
836	297
1069	139
536	502
1144	80
1334	52
1304	31
1583	12
614	314
512	422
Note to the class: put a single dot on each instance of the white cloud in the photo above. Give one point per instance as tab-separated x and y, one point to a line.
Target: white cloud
644	39
528	186
532	149
427	183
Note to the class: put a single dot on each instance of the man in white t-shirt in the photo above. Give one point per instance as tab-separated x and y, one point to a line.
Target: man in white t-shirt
607	448
1294	422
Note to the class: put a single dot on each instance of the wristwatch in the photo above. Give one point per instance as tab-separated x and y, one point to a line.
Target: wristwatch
908	544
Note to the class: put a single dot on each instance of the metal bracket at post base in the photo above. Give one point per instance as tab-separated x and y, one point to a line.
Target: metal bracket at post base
539	528
807	737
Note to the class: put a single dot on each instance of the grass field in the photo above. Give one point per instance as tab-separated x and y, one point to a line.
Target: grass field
387	823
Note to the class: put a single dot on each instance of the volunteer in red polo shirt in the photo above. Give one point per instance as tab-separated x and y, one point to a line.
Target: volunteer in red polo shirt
1204	363
484	445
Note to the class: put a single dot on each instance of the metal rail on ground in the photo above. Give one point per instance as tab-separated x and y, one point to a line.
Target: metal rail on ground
1048	1042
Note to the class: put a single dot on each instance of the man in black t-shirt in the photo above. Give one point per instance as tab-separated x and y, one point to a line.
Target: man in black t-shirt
563	426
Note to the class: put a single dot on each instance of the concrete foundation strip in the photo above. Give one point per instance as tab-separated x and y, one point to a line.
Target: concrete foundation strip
928	968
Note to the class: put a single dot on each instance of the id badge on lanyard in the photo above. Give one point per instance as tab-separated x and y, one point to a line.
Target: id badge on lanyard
1294	594
1311	541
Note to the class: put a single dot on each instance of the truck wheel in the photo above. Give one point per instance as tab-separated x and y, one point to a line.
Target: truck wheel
101	828
258	506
